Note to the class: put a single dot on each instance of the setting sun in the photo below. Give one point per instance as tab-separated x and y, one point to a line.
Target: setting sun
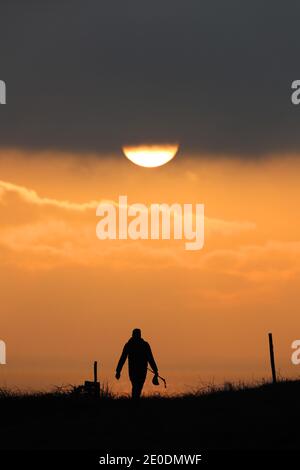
151	156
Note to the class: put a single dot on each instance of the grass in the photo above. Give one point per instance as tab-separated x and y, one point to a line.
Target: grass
234	416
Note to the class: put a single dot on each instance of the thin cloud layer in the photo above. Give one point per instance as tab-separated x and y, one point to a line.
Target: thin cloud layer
68	235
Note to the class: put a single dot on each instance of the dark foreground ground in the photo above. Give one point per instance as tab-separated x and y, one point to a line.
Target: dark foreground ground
264	417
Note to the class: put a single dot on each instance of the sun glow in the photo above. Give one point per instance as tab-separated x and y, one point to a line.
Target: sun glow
151	156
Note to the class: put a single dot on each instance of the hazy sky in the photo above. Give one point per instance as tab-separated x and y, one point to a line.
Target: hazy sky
68	298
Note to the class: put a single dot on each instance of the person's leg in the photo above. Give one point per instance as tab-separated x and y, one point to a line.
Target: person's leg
134	394
137	387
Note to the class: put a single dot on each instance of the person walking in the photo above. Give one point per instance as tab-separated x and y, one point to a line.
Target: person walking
139	355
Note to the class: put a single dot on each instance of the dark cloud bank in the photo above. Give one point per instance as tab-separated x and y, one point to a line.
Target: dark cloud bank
92	75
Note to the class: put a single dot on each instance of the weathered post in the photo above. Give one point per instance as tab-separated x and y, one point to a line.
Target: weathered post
92	389
96	383
95	371
272	360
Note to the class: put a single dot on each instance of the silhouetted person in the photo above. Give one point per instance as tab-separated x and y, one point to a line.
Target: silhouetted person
139	355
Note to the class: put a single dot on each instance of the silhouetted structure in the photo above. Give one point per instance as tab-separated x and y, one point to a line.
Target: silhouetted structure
139	355
91	389
272	359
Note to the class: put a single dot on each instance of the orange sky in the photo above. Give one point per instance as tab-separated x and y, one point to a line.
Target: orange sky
68	298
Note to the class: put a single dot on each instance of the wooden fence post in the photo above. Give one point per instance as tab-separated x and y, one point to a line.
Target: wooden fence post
95	372
272	358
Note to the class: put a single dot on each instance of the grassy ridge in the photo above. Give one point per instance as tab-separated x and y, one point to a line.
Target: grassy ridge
234	417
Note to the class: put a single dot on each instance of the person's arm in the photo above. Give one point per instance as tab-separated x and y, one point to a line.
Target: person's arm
121	361
152	361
